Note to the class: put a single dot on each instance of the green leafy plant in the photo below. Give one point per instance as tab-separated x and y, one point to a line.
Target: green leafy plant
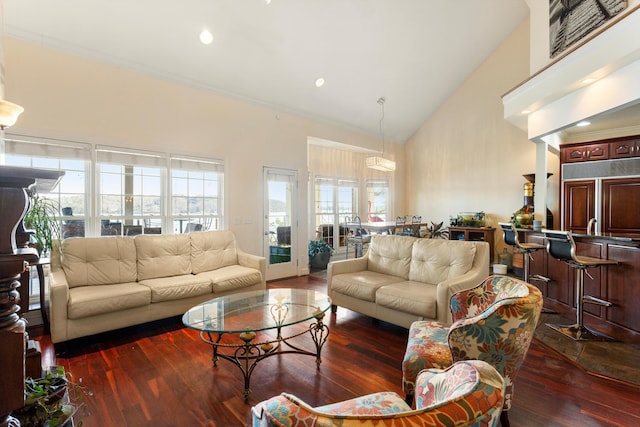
522	218
51	400
41	220
319	246
437	231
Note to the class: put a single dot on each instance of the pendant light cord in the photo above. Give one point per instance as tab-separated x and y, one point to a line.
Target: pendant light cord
381	102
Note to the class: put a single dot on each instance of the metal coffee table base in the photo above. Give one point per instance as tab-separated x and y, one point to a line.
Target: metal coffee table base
247	354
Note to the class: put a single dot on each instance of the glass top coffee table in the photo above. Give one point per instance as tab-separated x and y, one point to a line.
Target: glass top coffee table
252	324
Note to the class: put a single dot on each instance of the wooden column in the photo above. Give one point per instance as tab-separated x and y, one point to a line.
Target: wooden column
14	183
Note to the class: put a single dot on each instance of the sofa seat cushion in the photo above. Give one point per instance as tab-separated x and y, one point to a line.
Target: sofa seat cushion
86	301
409	297
362	285
232	277
177	287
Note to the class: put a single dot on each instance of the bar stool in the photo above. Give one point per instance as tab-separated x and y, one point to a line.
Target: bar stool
560	245
510	235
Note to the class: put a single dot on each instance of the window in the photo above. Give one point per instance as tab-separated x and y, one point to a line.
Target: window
70	195
378	200
134	192
335	199
129	191
196	194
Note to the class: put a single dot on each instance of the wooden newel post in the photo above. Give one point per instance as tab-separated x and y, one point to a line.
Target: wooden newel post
14	183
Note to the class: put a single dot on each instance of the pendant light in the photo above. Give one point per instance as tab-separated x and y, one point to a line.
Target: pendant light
380	162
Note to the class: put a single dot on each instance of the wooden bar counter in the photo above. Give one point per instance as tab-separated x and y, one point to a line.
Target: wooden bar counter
619	284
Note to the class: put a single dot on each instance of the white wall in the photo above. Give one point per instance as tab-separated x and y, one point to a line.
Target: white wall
466	157
82	100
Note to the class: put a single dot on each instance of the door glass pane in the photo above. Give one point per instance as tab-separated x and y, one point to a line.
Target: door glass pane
280	191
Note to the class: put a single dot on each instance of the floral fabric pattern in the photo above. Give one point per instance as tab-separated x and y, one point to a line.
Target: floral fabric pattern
466	394
493	322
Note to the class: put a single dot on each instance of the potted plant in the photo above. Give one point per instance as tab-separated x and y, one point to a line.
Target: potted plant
51	400
319	254
437	231
41	220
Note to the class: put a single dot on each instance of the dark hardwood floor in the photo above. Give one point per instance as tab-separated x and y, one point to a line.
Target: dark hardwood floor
160	374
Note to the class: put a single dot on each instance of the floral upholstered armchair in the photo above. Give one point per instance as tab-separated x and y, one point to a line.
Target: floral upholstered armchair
493	322
468	393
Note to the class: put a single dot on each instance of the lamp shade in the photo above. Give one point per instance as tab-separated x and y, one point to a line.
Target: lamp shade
9	113
381	164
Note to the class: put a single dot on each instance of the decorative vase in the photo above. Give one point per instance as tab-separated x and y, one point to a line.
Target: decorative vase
320	260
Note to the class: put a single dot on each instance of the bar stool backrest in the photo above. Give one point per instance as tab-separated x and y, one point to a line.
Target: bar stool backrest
560	245
510	233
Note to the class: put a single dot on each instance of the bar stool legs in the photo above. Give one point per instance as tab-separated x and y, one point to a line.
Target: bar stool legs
560	245
579	331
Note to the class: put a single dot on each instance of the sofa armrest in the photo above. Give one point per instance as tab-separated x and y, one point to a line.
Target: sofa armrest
253	261
58	301
346	266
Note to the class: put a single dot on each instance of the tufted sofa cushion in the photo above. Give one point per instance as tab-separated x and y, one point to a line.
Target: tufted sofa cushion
98	261
435	260
163	255
390	255
211	250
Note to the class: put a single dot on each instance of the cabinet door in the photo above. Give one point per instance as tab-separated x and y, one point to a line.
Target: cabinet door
579	204
585	153
574	154
621	206
622	289
597	152
625	149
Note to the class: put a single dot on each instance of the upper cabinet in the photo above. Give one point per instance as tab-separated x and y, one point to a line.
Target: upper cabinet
614	148
625	148
585	152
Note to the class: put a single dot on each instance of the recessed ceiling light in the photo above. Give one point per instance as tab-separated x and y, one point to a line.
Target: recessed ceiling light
267	1
583	123
206	37
525	111
589	80
319	82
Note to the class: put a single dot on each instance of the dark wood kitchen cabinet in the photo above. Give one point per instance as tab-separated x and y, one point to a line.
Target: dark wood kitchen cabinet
616	283
621	206
625	149
579	204
585	152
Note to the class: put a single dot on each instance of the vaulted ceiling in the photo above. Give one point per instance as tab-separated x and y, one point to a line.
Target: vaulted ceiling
415	53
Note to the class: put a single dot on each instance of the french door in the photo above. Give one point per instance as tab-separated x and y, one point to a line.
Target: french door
280	222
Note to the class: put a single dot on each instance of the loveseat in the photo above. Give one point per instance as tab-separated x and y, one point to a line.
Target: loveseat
401	279
99	284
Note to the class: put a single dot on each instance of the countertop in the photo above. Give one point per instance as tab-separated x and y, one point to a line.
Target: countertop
634	238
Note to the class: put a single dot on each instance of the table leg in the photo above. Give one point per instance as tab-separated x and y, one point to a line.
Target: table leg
43	311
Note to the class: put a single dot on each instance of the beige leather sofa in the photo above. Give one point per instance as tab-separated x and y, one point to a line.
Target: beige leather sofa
104	283
402	279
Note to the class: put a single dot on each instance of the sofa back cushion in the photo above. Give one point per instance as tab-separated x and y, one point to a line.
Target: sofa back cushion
436	260
98	260
163	255
211	250
390	254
